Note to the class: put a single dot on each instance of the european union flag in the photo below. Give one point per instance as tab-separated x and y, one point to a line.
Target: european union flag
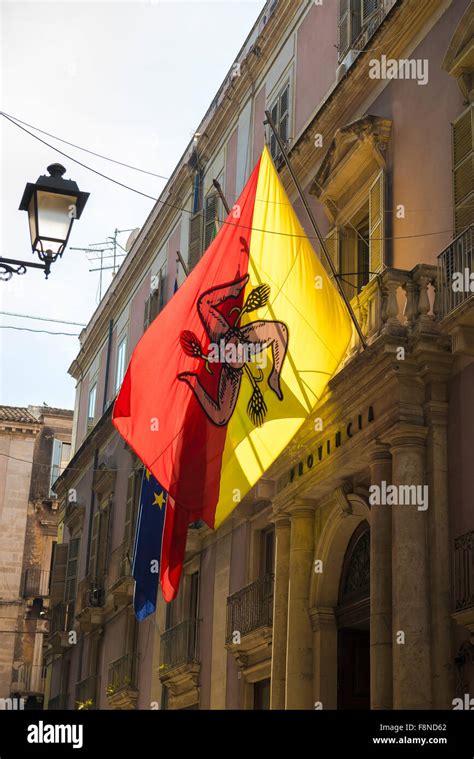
147	549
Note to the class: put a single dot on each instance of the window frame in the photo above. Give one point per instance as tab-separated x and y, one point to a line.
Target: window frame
122	342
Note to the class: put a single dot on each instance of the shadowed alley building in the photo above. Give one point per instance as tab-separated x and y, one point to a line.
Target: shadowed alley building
35	444
314	592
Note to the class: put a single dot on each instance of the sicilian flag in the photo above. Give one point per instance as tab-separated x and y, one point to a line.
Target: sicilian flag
234	364
146	562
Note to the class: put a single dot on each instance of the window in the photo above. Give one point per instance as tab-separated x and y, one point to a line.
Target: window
267	551
91	406
59	460
357	248
121	359
71	572
131	509
358	20
280	112
261	695
211	216
463	170
99	544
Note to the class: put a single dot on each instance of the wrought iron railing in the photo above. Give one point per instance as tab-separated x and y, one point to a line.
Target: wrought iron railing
455	265
179	645
36	583
62	617
29	678
122	674
87	693
250	608
58	702
464	571
90	593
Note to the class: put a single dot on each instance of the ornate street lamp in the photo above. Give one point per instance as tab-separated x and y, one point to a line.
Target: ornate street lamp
52	205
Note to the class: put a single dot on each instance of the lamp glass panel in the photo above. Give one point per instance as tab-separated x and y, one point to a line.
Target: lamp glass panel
54	220
32	220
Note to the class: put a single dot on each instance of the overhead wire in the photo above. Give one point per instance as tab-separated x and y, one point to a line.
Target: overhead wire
188	211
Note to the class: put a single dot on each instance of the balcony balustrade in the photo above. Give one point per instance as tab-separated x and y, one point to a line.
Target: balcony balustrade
250	608
455	265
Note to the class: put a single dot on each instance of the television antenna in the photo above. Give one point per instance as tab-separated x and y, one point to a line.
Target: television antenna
96	250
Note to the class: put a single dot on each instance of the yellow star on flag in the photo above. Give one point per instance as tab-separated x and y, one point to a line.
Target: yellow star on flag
159	500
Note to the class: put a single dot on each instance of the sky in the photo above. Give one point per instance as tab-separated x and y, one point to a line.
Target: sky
129	80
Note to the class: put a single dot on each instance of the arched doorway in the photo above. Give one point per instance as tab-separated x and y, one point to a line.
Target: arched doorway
353	624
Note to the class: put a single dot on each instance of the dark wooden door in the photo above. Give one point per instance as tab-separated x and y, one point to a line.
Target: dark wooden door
353	669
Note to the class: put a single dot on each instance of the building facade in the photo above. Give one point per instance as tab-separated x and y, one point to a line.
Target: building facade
35	447
345	578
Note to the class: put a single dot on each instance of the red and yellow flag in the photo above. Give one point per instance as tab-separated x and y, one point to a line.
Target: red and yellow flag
230	369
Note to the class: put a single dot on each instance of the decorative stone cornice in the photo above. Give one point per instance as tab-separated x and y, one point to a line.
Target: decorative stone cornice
459	59
104	481
357	147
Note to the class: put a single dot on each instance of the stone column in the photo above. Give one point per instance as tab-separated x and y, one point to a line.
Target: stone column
412	687
299	659
381	696
440	557
325	656
280	611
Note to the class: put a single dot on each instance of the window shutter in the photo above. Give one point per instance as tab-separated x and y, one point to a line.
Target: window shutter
102	544
333	246
210	219
195	239
463	170
146	315
71	574
273	142
58	576
344	28
55	466
284	114
368	8
127	533
94	545
376	224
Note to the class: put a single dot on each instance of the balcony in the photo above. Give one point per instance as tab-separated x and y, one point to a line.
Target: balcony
122	688
89	605
87	693
120	581
249	624
36	583
59	702
62	621
456	292
464	580
29	680
179	663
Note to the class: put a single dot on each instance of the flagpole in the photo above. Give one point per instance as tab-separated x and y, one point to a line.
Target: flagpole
218	187
180	258
321	239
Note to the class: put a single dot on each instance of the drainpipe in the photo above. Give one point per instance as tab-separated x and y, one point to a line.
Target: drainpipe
107	365
91	510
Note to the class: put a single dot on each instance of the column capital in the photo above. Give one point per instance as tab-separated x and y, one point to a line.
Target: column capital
322	616
380	452
408	436
280	519
302	507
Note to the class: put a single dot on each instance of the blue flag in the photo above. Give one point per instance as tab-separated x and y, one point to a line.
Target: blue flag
147	549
